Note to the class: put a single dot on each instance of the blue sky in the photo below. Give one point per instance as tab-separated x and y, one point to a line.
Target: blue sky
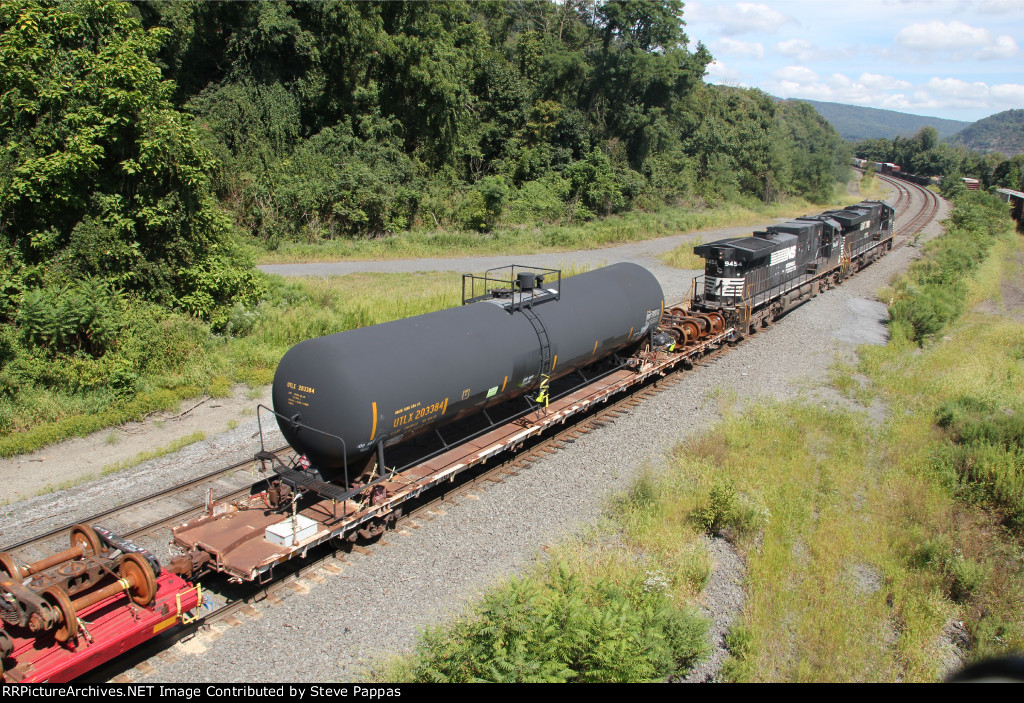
958	59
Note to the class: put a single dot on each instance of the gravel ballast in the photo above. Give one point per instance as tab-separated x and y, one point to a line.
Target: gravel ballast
378	603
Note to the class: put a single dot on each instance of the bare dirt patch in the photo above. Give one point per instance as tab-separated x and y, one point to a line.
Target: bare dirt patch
83	458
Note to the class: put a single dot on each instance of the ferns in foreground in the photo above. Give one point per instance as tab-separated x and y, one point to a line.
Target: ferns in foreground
560	628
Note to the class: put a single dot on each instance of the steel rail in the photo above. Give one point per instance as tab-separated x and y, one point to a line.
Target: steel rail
165	493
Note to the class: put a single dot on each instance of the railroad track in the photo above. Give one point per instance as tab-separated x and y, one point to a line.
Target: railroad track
904	202
232	601
142	517
329	559
903	197
905	189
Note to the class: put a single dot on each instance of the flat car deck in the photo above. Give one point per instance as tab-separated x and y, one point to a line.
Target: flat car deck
234	534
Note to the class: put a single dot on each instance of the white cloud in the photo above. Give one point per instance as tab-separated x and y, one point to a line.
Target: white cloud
939	36
732	47
879	82
1000	7
1011	94
956	89
800	75
794	47
953	93
874	90
718	72
957	37
837	81
1003	48
739	18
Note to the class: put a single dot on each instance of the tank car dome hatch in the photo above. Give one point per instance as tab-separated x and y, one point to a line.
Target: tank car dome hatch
339	398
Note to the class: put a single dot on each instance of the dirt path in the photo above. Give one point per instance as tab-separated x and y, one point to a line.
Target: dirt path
84	458
644	253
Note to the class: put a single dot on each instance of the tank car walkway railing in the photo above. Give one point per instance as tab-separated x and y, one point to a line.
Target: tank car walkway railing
495	286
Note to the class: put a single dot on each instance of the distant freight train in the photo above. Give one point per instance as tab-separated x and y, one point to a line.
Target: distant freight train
891	169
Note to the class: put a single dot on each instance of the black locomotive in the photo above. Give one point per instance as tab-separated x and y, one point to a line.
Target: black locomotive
752	281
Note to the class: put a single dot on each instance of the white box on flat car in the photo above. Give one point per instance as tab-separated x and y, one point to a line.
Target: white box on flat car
281	533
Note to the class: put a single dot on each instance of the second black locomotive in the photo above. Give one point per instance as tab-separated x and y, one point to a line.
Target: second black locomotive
753	280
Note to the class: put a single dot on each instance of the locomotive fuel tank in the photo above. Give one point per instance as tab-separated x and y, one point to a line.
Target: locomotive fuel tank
390	382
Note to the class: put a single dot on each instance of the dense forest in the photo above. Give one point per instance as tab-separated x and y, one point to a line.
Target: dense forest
1002	132
362	119
925	155
149	148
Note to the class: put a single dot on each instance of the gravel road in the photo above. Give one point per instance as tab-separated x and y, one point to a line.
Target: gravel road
643	253
376	604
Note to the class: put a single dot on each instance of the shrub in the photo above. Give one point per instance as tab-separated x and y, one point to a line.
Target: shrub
738	666
82	316
562	629
932	553
933	292
720	509
973	421
594	183
215	285
965	577
541	200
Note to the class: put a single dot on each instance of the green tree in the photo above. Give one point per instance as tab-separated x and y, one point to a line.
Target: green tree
106	178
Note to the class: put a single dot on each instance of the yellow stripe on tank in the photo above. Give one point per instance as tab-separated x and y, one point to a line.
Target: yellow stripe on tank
373	430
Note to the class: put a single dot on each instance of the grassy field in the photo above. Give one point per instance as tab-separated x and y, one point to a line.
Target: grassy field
631	227
887	545
194	363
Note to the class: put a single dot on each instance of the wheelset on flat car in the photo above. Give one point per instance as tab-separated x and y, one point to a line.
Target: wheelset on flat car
688	328
44	598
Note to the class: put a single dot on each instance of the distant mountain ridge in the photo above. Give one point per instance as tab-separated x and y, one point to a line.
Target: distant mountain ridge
1002	132
856	123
